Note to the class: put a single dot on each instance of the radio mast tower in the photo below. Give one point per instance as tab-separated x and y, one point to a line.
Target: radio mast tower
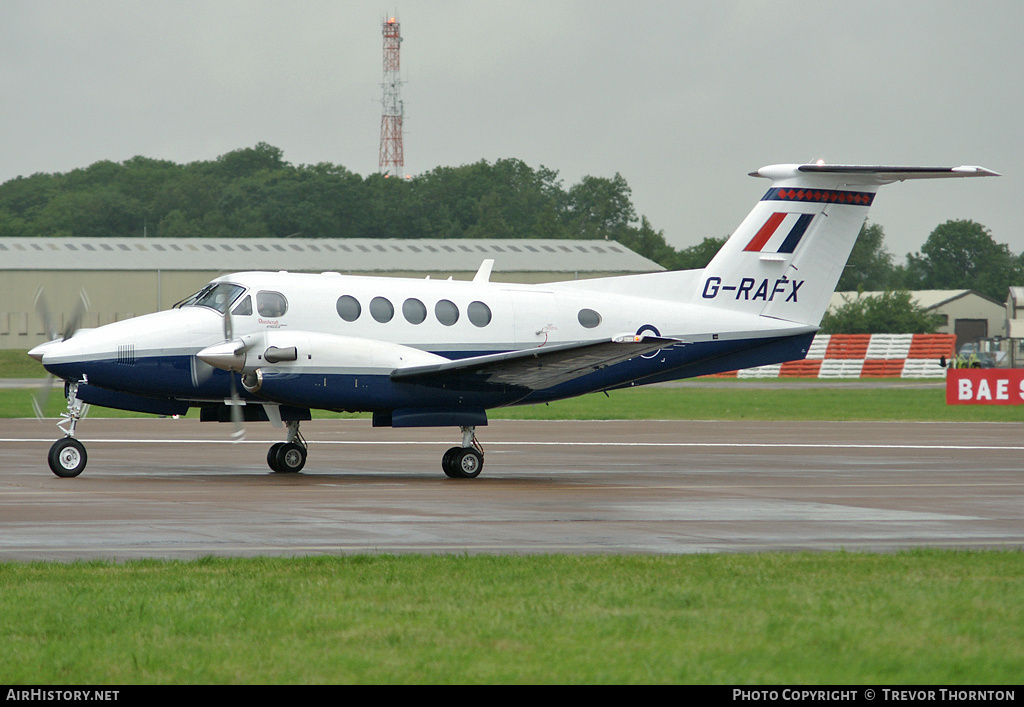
392	158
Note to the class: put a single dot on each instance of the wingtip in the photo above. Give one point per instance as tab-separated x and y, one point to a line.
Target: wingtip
976	171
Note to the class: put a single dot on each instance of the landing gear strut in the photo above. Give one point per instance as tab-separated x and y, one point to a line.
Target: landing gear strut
290	456
67	457
467	461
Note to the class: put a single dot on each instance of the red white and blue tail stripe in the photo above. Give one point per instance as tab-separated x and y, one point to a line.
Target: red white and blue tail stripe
781	233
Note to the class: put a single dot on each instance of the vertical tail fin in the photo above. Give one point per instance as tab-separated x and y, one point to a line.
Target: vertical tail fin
785	259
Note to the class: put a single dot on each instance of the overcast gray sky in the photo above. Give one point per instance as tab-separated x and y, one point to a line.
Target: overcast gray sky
682	98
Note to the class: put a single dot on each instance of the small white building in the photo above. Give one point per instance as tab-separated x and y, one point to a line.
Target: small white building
1015	325
1015	313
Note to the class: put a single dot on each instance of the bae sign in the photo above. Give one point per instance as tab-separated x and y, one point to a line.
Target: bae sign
985	386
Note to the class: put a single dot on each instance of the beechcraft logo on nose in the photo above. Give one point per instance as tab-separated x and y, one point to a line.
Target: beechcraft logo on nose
780	233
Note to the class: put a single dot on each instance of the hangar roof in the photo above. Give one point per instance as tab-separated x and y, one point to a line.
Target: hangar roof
319	254
928	299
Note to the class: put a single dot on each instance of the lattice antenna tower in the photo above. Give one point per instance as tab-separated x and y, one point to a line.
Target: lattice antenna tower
392	156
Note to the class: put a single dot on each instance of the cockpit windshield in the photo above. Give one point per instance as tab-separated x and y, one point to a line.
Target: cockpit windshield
216	295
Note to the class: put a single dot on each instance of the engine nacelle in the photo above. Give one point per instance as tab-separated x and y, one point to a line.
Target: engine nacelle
307	351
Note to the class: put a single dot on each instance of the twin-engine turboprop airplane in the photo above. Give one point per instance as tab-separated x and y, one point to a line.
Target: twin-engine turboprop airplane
419	353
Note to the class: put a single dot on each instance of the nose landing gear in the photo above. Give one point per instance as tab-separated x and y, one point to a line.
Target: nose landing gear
67	457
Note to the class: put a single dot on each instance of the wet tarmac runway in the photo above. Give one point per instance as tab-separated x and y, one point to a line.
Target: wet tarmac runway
165	488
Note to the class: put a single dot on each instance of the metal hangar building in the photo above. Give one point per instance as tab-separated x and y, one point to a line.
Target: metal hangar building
126	277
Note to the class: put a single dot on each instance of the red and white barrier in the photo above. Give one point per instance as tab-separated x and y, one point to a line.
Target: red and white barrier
865	356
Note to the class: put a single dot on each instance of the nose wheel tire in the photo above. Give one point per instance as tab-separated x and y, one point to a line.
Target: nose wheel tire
67	457
462	463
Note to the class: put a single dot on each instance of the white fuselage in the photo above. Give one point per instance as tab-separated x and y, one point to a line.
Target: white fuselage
350	333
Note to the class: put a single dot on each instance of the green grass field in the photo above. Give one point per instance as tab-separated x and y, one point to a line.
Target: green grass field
682	403
15	363
924	617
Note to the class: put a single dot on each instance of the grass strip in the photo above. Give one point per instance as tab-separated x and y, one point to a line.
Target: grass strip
725	403
15	363
920	617
681	403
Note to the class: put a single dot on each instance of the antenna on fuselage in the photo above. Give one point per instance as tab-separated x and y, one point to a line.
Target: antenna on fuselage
484	273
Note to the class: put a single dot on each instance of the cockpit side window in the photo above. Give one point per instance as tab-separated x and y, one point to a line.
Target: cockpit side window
243	308
217	296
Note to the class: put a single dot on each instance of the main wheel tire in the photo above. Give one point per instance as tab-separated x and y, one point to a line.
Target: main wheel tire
67	457
291	458
466	463
272	455
448	464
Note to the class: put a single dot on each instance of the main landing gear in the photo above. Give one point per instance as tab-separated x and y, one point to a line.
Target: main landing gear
467	461
67	457
288	457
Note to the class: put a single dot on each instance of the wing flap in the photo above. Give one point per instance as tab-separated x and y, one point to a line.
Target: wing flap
535	368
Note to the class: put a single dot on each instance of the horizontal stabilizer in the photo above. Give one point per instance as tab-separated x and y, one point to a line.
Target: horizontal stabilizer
533	369
867	174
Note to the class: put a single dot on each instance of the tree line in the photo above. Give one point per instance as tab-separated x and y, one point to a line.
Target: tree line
254	193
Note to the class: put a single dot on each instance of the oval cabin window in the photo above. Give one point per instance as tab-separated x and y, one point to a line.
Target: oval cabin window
446	312
348	308
479	313
414	311
589	318
381	309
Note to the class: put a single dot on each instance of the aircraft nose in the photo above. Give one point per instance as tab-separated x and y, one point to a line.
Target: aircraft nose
39	351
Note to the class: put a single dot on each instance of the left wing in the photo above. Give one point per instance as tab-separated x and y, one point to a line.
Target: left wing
534	368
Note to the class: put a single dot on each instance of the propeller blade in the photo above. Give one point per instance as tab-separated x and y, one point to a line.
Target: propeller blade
42	397
228	355
201	371
237	416
81	307
43	312
229	325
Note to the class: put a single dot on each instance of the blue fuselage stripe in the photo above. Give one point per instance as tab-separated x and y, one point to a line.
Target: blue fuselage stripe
171	377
